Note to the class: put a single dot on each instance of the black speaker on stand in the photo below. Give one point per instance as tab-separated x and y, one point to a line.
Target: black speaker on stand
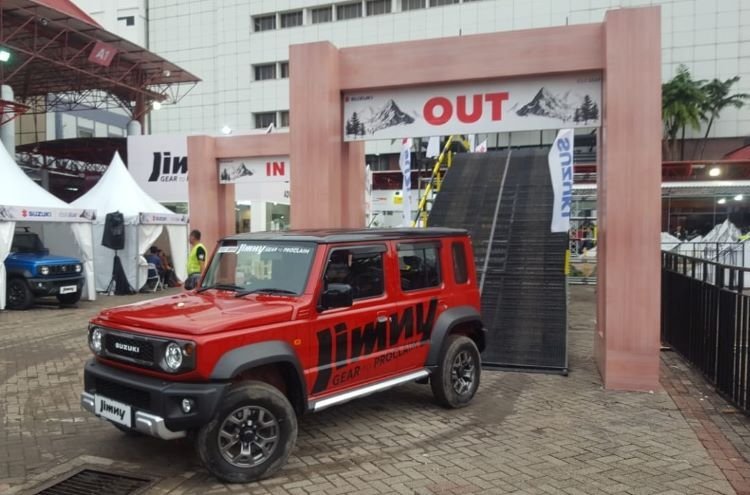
114	238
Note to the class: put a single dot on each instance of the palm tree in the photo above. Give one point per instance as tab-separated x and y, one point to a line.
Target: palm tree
717	99
681	106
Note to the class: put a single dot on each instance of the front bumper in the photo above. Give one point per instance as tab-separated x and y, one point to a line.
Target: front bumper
46	286
155	403
148	424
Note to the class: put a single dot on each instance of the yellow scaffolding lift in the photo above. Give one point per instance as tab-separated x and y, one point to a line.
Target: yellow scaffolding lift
434	183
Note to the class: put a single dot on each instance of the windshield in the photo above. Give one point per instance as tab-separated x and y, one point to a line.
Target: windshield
260	266
26	243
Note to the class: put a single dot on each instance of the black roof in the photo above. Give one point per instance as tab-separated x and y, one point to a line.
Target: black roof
329	236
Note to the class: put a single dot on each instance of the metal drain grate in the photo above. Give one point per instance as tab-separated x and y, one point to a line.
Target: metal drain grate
91	482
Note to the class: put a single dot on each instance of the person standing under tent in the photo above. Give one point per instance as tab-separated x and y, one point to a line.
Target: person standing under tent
196	259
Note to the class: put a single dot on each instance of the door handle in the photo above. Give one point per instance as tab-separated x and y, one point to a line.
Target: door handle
382	318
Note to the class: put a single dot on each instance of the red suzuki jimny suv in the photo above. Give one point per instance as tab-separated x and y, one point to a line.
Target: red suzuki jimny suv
284	323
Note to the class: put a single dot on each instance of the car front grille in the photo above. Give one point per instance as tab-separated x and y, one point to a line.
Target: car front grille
122	393
62	269
138	350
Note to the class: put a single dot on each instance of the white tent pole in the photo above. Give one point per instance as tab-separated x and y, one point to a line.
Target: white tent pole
138	256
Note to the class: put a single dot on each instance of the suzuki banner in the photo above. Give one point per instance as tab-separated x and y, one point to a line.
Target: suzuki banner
159	164
22	214
560	160
254	170
478	107
162	218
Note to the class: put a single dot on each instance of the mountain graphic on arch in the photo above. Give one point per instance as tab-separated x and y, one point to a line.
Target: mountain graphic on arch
371	121
567	106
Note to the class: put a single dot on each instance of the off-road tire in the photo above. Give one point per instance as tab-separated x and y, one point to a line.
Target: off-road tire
443	380
248	394
23	298
69	299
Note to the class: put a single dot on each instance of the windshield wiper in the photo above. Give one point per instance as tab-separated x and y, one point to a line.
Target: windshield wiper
266	290
220	287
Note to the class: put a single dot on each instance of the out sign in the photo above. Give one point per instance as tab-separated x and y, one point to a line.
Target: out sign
102	54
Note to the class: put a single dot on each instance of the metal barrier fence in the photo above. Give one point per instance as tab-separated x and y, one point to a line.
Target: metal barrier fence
706	318
728	253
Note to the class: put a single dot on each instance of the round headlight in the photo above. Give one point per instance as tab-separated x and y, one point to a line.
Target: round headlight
44	270
96	340
173	356
78	268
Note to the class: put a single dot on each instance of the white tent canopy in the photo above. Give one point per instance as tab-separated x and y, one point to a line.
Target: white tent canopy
23	201
145	220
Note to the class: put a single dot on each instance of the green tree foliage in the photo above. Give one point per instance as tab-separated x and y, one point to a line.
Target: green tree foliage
717	98
682	103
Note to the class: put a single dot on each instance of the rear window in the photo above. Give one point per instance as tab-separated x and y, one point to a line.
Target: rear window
460	272
419	265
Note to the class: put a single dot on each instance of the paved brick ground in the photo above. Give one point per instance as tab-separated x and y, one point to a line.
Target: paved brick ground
524	433
722	429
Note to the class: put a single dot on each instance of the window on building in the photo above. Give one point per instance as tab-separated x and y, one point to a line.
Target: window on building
438	3
264	71
361	268
322	14
460	272
378	162
129	20
377	7
348	11
265	22
85	133
264	119
284	118
284	69
291	19
419	265
412	4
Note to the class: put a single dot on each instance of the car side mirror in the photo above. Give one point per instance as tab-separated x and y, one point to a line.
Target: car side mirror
337	296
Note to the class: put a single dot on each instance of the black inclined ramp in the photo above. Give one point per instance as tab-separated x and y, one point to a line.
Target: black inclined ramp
524	291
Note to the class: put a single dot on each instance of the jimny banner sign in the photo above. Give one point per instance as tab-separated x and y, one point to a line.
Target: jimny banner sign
479	107
254	170
159	164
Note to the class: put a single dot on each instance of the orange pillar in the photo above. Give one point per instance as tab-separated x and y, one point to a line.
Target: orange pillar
628	299
327	180
211	203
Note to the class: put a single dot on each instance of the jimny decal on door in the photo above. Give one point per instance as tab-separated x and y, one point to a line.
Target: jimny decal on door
491	106
341	349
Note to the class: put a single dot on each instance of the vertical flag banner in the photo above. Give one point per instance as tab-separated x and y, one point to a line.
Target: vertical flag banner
560	161
368	194
404	163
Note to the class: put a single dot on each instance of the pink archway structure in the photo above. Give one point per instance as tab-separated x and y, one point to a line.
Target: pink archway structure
327	184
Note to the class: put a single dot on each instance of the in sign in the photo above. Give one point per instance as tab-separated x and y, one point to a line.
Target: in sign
468	110
275	169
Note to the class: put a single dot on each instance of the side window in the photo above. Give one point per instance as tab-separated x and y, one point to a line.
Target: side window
460	273
419	266
362	268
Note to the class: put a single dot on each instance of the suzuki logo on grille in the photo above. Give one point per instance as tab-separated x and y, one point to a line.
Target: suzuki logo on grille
127	347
